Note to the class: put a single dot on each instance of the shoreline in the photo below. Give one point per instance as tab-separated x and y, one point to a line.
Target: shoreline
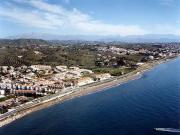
84	90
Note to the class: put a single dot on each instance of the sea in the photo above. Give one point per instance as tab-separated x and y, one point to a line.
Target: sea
133	108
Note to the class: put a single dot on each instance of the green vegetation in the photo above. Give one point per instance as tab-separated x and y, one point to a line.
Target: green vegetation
3	110
6	98
134	57
113	71
71	53
47	55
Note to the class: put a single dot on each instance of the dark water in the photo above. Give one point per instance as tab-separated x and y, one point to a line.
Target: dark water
134	108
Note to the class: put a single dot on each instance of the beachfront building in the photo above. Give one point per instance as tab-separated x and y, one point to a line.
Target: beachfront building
25	92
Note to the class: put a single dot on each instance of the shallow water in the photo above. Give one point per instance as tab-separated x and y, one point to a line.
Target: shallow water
133	108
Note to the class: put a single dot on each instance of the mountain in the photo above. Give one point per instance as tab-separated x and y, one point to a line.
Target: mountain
109	38
23	42
153	38
46	36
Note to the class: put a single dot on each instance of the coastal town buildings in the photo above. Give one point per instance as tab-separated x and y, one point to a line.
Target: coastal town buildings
41	80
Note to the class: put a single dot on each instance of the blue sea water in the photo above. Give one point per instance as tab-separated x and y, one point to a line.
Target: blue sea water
133	108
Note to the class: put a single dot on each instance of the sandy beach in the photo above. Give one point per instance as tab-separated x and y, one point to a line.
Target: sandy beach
85	90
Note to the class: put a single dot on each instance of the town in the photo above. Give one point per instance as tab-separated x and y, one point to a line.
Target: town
32	71
26	83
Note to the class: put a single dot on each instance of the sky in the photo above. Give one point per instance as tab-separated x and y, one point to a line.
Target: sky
89	17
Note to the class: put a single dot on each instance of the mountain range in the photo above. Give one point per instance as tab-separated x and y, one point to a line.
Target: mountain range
109	38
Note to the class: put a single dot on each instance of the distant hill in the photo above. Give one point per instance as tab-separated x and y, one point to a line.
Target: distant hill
131	38
23	42
152	38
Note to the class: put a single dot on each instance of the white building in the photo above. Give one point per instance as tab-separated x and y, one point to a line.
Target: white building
40	67
2	92
61	68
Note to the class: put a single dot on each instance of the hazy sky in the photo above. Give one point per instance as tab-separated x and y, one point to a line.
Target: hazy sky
91	17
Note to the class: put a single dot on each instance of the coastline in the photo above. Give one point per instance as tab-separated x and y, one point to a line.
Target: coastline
85	90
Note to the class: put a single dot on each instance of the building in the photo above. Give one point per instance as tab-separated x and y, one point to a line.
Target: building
2	92
45	68
25	92
74	68
61	68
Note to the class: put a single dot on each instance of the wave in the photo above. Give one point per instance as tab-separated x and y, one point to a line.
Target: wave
168	130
